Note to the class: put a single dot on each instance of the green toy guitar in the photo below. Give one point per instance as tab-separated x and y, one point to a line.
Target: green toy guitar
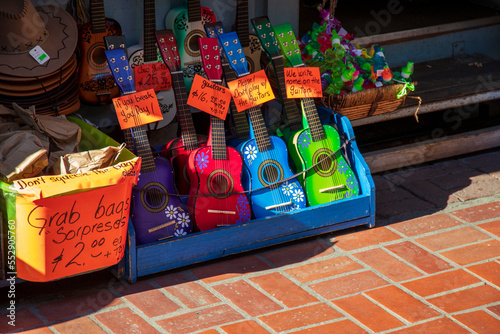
316	149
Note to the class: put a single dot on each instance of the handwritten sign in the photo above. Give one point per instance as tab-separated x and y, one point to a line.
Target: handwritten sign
303	82
76	233
137	109
209	97
251	90
154	76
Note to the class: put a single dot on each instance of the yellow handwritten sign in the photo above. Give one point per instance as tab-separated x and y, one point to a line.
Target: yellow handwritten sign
251	90
303	82
209	97
137	109
66	235
152	76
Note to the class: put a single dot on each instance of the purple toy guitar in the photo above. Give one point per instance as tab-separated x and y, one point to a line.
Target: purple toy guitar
157	212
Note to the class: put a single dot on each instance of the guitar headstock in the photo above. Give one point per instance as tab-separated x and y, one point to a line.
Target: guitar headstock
288	44
168	49
234	53
214	29
119	66
210	56
265	32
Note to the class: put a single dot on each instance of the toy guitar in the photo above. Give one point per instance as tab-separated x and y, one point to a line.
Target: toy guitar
187	24
331	178
265	156
215	170
157	212
178	149
249	42
147	53
240	128
96	84
268	41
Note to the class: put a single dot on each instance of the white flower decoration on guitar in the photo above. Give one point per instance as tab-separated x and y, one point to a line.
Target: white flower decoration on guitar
287	188
171	212
180	233
183	220
251	152
298	195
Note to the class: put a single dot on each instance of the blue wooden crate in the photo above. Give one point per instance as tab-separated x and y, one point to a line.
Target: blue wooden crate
141	260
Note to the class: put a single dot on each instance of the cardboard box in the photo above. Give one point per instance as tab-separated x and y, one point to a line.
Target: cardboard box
66	225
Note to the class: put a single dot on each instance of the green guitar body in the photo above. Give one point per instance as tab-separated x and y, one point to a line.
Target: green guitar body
330	180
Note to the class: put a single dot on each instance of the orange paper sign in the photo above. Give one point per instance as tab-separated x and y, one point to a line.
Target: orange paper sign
303	82
209	97
76	233
251	90
152	76
137	109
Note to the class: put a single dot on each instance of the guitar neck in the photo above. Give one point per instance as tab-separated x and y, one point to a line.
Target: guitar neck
242	23
259	129
194	10
97	20
150	52
143	149
290	107
189	137
218	138
313	122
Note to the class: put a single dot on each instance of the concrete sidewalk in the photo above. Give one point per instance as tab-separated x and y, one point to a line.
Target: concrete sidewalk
431	265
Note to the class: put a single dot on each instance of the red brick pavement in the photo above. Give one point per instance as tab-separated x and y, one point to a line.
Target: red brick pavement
430	267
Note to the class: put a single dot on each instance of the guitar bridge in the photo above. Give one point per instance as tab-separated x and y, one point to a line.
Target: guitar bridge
278	205
223	212
159	227
324	190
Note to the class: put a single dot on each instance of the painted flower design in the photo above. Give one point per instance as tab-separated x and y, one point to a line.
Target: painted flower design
304	139
342	167
183	220
242	201
298	195
202	160
244	214
352	183
171	212
287	188
180	232
251	152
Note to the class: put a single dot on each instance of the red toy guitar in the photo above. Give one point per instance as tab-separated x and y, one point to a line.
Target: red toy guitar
215	170
178	149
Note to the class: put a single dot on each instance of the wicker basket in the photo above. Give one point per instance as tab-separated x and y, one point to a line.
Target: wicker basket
365	103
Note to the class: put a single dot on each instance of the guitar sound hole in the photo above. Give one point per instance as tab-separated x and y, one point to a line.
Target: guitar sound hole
324	165
98	56
155	197
220	184
271	174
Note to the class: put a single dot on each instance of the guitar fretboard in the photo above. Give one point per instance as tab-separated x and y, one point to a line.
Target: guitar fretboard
289	105
218	139
259	129
189	137
194	10
97	20
313	122
239	118
242	23
143	149
150	51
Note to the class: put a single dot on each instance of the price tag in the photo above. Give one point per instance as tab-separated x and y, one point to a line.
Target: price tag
303	82
39	55
209	97
152	76
137	109
251	90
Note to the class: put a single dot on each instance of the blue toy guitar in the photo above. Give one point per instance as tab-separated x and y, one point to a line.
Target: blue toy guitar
157	212
265	157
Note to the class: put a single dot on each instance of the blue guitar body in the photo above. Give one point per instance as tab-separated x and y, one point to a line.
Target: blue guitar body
263	169
155	214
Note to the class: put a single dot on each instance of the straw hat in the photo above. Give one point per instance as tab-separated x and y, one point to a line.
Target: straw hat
23	27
